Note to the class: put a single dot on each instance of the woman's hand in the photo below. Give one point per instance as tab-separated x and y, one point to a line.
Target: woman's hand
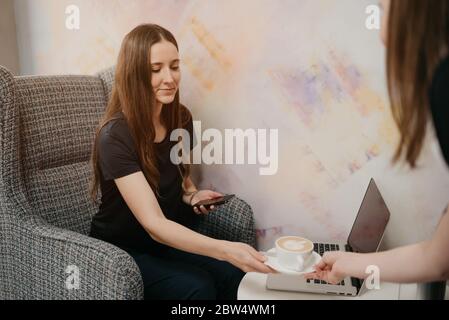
332	268
245	257
203	195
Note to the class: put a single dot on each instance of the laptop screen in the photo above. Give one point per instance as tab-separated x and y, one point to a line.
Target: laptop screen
371	221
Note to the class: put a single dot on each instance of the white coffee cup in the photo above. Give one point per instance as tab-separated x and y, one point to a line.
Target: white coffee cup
293	252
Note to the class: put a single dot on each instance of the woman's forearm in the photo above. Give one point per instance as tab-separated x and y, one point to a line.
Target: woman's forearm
403	265
143	203
190	189
177	236
423	262
189	185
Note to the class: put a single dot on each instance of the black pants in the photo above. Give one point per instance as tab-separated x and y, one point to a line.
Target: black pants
176	275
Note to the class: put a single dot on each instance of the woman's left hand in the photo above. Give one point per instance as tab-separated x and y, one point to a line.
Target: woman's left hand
204	195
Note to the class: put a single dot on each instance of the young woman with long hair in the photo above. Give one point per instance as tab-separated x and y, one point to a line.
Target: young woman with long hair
146	204
416	34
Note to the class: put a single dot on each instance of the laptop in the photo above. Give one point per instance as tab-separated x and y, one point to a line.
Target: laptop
366	236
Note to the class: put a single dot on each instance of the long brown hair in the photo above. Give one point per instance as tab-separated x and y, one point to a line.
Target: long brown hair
133	95
417	40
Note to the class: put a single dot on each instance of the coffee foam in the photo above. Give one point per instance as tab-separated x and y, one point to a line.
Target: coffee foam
295	244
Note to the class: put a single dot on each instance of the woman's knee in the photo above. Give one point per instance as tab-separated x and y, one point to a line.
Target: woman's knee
231	273
197	286
228	282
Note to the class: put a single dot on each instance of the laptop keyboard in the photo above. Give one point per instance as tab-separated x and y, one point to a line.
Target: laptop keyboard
321	248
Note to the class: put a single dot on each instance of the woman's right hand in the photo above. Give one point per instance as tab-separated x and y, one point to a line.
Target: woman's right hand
331	268
245	257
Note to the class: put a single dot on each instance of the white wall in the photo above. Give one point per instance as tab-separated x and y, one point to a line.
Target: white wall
8	47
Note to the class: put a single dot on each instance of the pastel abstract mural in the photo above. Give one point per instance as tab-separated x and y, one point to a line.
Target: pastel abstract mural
308	68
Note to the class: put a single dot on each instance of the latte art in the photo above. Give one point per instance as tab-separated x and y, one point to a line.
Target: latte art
295	244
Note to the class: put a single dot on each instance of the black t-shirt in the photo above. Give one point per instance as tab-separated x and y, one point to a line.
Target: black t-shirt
439	104
117	157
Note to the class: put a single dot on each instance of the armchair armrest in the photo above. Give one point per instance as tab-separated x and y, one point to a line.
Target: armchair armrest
43	262
233	221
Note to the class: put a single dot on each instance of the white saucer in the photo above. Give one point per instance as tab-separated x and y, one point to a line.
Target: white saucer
273	263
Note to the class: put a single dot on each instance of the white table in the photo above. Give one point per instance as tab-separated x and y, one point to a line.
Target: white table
253	287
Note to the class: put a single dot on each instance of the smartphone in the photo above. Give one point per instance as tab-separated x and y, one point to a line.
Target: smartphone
214	202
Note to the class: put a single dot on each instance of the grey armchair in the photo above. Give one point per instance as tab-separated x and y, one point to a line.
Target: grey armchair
47	126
